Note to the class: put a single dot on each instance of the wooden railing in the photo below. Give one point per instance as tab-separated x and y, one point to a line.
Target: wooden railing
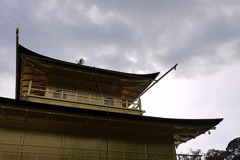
188	157
81	97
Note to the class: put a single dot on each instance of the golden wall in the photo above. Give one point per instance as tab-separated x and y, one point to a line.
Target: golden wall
42	144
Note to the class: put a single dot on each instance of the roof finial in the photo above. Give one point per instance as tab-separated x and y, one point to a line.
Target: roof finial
80	61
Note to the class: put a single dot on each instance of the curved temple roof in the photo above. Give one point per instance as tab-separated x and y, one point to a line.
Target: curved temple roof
181	129
132	85
128	85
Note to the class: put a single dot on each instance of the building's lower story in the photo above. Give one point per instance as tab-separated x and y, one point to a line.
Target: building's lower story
34	131
31	144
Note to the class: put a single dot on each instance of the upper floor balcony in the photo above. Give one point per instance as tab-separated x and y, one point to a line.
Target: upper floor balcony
79	99
46	80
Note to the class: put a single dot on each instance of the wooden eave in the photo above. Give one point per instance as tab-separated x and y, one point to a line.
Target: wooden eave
51	117
129	86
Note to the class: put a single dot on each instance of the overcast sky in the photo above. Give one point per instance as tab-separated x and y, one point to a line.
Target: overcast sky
139	36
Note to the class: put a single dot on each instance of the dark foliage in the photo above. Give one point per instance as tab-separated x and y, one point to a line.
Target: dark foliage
232	152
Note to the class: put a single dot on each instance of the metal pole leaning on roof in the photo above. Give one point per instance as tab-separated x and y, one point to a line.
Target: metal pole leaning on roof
174	67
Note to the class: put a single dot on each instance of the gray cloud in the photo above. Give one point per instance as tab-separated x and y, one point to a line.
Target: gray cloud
157	34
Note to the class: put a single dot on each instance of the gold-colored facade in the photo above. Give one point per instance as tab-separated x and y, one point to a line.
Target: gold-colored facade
30	133
29	144
66	111
46	80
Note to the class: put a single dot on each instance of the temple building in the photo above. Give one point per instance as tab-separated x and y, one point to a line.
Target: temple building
70	111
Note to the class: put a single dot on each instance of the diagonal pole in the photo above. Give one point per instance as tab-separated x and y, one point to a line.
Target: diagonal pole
174	67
